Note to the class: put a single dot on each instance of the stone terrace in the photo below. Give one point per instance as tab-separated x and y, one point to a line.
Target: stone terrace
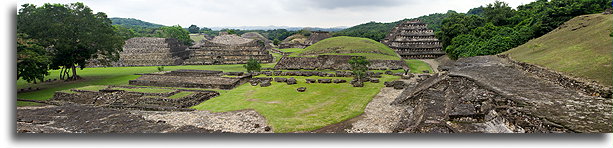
190	79
149	51
228	49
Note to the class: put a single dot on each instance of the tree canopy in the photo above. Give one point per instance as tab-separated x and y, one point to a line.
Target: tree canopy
72	32
32	60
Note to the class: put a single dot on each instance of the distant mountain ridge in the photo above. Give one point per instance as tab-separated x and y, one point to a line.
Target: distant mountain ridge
271	27
132	23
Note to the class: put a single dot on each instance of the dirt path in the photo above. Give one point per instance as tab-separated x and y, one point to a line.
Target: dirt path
433	64
379	116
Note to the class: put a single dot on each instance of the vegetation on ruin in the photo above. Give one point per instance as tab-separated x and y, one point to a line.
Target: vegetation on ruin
417	66
573	49
344	45
252	65
497	27
359	66
288	110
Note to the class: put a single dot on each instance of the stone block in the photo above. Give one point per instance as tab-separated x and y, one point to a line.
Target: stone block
279	79
324	80
301	89
339	81
291	81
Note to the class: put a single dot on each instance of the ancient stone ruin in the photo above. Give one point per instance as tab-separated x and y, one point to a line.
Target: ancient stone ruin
488	94
228	49
293	41
130	98
335	62
192	79
317	36
150	51
256	36
413	40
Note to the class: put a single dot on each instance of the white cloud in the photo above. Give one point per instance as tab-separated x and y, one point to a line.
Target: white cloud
304	13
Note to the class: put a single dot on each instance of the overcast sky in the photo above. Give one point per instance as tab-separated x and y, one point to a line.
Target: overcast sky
294	13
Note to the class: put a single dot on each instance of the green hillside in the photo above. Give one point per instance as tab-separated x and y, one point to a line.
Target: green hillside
344	45
133	23
580	47
377	31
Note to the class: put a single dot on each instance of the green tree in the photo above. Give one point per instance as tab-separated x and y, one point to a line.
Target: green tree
193	29
359	66
499	13
253	65
32	60
176	32
72	32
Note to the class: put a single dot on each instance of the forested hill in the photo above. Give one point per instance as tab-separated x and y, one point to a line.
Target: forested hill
377	31
133	23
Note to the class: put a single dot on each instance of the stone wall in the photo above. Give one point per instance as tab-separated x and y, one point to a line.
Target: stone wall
116	98
228	49
190	79
336	62
149	51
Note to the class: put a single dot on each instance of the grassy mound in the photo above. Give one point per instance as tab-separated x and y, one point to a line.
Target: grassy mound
344	45
580	47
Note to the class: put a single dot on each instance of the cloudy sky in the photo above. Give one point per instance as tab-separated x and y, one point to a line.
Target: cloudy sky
295	13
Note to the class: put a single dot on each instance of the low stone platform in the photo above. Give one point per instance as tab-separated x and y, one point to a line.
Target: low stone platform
191	79
131	98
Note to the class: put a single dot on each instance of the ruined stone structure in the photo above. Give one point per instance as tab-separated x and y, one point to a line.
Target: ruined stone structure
228	49
191	79
293	41
413	40
336	62
150	51
317	36
256	36
488	94
122	98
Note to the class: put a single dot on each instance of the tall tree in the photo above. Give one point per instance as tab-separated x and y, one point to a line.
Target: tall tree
32	60
193	29
178	33
499	13
72	32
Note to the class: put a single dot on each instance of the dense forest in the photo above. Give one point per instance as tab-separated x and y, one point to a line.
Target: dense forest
490	29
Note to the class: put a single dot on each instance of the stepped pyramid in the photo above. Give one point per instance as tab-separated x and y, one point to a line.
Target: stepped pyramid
150	51
413	40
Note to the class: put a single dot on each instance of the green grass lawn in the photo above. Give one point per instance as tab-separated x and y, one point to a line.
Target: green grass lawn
585	52
287	110
417	66
344	45
105	76
291	49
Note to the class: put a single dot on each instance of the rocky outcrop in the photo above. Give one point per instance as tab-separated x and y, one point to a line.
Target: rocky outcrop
489	94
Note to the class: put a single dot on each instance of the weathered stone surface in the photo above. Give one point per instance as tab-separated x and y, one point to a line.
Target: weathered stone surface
311	81
324	80
301	89
357	84
374	80
228	49
190	79
291	81
150	51
389	84
398	85
265	84
489	94
74	118
339	81
280	79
